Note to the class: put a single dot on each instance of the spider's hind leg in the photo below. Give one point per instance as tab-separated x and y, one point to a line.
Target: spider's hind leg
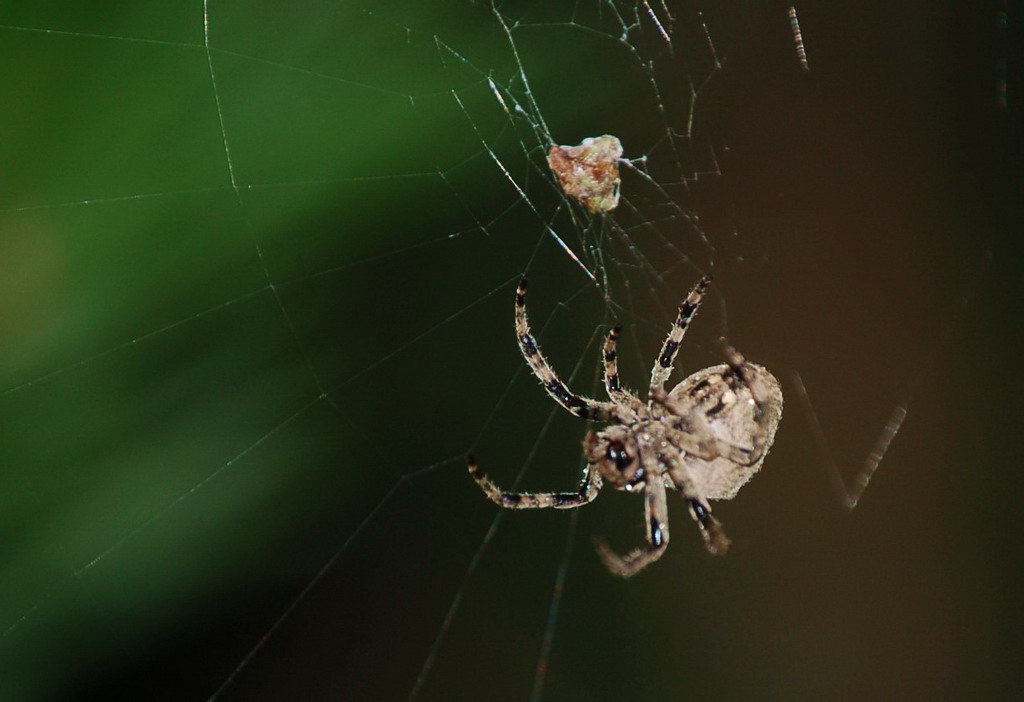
710	528
760	395
656	512
693	435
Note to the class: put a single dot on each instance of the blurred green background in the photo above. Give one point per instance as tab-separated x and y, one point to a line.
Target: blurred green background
256	279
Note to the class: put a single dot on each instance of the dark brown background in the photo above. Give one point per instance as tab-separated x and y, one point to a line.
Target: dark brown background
173	478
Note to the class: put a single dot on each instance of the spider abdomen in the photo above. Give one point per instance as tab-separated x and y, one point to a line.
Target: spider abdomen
734	420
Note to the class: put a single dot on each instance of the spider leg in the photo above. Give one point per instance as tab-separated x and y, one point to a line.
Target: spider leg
663	365
710	528
691	426
618	394
694	430
580	406
656	511
759	394
588	490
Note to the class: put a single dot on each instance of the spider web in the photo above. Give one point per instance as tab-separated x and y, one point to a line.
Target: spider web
258	277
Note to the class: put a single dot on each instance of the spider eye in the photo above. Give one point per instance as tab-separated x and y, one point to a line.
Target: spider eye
618	455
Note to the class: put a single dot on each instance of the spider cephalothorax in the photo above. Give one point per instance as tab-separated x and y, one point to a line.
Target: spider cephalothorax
705	439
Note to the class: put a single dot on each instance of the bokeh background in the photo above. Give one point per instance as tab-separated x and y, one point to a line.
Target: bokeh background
256	274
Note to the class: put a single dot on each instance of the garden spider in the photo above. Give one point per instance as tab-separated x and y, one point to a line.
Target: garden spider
706	438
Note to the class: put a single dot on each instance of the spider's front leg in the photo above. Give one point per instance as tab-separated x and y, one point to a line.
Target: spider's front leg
589	488
610	360
663	364
582	407
656	512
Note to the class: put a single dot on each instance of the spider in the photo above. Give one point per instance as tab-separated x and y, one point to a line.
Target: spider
705	438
